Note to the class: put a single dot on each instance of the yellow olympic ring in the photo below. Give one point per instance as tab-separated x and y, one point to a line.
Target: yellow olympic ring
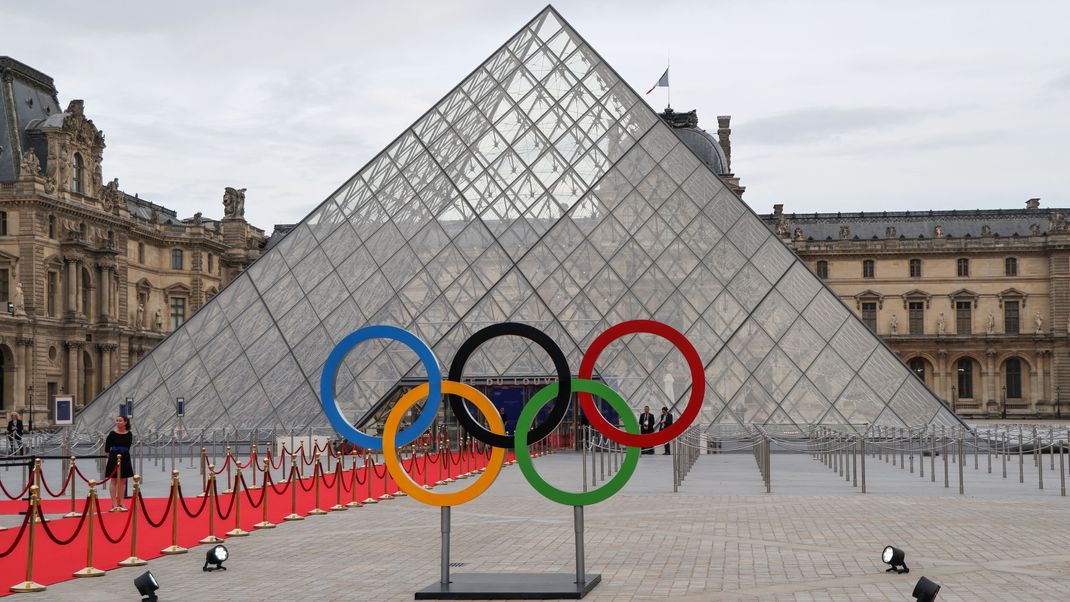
390	452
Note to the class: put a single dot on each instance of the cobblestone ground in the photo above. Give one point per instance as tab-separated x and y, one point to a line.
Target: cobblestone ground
720	538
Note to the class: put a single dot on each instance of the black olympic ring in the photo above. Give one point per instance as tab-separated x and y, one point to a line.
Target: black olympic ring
564	378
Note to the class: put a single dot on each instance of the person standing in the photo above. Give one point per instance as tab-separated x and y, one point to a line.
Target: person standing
14	433
664	423
505	419
646	426
118	443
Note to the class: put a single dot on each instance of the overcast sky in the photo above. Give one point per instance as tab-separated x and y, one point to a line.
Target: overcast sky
836	106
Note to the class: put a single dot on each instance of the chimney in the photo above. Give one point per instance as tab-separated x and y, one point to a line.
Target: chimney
1032	204
778	210
724	133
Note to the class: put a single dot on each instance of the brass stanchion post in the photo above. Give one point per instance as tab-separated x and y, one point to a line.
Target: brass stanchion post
368	480
174	548
354	503
204	470
293	515
211	495
252	462
72	513
237	531
29	585
230	461
90	570
133	560
316	510
264	491
338	507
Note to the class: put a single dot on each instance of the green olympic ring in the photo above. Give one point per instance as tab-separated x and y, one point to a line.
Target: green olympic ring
527	467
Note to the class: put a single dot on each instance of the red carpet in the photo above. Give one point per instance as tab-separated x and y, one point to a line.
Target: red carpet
54	562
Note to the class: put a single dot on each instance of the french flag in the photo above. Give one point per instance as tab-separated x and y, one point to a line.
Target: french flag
662	83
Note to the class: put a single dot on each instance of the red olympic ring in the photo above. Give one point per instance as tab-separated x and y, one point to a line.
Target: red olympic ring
698	383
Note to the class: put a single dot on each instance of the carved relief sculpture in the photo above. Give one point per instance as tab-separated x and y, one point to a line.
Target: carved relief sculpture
938	231
941	326
990	324
159	321
845	232
1039	321
139	323
19	300
798	235
895	324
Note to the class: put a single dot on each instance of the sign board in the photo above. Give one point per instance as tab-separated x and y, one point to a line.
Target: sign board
64	410
180	406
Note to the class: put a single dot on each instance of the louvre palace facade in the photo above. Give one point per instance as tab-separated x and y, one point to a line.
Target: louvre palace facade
91	278
976	302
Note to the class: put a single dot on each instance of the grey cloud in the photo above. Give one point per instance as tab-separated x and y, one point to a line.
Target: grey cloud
820	123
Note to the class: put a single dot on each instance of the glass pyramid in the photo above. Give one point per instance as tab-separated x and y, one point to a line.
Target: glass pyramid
539	190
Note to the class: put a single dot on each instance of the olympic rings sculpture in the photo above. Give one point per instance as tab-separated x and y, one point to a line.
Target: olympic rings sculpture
559	393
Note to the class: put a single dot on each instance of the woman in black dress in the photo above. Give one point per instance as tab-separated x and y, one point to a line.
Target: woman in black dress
118	443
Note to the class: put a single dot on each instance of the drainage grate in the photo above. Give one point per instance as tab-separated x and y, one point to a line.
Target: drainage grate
457	564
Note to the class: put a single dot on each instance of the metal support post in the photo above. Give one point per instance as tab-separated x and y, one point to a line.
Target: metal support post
862	454
444	572
577	519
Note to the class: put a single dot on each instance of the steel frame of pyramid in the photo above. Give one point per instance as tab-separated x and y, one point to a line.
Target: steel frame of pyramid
543	190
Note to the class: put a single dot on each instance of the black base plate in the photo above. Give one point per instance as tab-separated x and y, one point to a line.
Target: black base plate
510	586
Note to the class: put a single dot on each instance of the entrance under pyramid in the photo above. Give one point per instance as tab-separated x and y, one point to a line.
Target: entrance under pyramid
542	190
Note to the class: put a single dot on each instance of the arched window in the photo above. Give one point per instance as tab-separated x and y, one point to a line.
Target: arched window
867	268
915	268
1014	378
1010	266
52	227
965	370
917	366
77	174
823	270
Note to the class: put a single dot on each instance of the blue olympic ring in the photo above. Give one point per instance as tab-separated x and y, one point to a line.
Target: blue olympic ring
330	372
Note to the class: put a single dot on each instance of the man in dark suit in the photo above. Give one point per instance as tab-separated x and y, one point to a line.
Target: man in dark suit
646	426
664	423
14	433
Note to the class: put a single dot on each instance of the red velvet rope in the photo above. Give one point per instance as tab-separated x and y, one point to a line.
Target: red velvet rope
341	472
185	508
66	481
285	488
376	471
311	482
359	482
104	530
21	494
77	529
18	538
219	507
163	517
249	496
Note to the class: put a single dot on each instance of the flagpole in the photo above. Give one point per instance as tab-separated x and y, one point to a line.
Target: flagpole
668	88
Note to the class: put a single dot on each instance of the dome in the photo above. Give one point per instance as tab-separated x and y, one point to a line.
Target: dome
701	142
706	147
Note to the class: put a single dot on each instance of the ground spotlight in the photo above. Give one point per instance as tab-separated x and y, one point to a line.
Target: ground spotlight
895	558
216	556
147	585
925	590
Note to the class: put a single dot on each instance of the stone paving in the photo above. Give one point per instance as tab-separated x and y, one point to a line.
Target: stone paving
720	538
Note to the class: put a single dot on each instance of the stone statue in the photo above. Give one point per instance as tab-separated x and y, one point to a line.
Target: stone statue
938	231
941	326
234	203
845	232
798	234
19	300
1034	229
1039	321
140	321
889	232
986	230
990	324
159	320
197	219
109	195
895	324
29	166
